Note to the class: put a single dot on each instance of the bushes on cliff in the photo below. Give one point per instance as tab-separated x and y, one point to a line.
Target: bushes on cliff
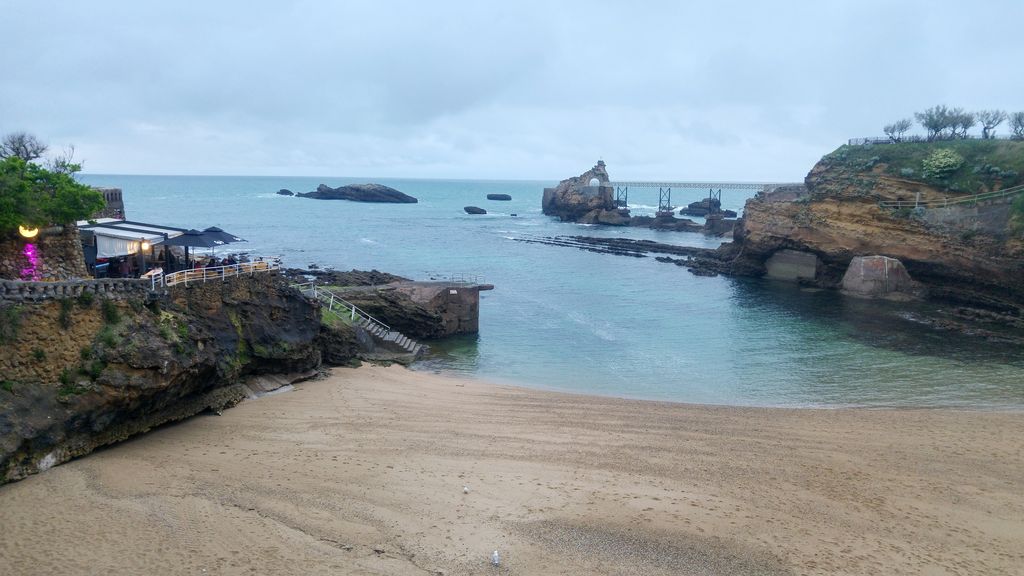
941	164
31	195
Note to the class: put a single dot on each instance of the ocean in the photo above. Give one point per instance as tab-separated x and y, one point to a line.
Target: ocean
565	319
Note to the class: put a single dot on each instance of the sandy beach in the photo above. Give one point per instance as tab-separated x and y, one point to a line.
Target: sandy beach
389	471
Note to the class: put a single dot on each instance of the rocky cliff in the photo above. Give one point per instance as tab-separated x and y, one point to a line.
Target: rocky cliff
576	197
960	257
82	372
360	193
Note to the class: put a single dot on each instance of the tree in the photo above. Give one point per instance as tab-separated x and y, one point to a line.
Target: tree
936	120
989	119
21	145
960	122
897	129
31	195
1017	125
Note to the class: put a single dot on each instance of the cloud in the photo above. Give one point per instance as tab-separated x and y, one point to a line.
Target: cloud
730	90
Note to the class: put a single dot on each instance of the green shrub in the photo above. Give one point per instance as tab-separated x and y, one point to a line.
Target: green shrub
85	353
64	318
85	299
111	315
10	323
39	354
107	337
941	164
66	377
96	368
7	385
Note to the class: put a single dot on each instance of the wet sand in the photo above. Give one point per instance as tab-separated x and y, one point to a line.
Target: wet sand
363	473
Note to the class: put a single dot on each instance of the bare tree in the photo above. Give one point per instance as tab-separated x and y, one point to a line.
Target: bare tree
1017	125
936	120
897	129
64	163
961	122
989	119
21	145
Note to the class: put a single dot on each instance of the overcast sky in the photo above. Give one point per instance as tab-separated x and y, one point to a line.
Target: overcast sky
535	90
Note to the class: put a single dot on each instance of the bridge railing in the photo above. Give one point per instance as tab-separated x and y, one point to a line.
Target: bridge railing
159	279
334	303
455	277
959	200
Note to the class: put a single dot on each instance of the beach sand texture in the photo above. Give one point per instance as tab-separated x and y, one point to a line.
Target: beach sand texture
364	473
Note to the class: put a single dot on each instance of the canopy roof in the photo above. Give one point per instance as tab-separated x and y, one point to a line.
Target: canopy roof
121	237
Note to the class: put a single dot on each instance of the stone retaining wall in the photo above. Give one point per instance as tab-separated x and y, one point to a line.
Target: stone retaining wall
48	257
109	288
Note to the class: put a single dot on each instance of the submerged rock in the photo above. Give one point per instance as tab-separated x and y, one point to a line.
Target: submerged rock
360	193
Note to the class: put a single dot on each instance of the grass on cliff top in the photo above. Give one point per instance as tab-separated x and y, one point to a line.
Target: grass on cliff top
988	164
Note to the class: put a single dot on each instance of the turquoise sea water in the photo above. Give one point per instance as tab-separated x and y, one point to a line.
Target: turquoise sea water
566	319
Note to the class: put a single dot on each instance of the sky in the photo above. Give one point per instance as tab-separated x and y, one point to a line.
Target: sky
675	90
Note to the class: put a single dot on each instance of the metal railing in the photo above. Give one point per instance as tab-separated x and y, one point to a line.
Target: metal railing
159	279
333	302
945	202
454	278
920	138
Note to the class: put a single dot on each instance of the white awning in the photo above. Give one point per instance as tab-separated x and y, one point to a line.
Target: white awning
119	238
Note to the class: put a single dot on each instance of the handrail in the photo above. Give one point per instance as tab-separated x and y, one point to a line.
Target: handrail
330	298
455	277
213	273
955	201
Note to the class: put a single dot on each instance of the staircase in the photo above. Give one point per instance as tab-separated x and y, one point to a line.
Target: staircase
351	314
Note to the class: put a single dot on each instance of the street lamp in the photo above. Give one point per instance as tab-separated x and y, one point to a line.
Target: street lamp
28	232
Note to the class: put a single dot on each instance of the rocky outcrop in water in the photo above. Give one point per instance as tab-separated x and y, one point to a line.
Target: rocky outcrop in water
500	197
581	195
474	210
360	193
837	217
285	192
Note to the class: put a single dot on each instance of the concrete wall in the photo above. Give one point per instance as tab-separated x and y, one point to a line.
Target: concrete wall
115	203
791	265
992	218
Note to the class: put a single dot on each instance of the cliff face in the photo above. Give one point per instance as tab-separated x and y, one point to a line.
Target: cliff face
83	372
968	257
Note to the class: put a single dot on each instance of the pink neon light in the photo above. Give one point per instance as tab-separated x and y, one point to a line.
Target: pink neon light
31	272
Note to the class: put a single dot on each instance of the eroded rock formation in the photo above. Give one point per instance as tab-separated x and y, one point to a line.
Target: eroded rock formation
580	196
360	193
837	217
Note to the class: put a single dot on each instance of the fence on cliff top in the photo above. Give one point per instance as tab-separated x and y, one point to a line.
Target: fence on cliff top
871	140
959	200
159	279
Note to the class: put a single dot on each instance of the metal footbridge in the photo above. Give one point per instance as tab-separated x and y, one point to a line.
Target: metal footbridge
665	189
